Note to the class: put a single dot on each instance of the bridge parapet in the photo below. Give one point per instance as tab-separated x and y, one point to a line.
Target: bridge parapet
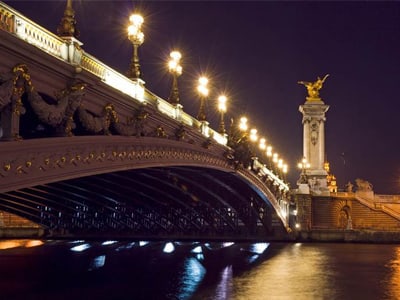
65	49
17	24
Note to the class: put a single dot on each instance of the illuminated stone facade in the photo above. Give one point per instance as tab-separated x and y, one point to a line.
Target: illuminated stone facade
314	144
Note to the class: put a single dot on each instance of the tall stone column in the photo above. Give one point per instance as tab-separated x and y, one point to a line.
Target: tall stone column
313	111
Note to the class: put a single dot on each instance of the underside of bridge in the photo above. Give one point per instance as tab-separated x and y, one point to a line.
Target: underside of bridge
153	203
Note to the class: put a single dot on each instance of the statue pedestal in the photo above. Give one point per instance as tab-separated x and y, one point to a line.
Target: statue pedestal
314	100
303	188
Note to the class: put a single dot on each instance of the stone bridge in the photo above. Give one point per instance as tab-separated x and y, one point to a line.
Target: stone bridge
86	151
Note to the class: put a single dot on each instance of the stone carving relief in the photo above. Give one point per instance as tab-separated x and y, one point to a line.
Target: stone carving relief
12	86
97	124
66	114
60	114
109	119
83	157
160	132
180	132
314	126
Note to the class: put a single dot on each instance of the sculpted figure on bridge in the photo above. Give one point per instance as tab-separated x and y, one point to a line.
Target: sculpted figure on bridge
58	115
12	86
349	187
97	124
314	87
109	120
363	185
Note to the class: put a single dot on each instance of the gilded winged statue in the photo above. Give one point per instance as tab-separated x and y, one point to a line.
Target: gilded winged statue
314	87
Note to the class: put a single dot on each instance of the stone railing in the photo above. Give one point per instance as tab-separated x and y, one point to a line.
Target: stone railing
69	50
25	29
387	198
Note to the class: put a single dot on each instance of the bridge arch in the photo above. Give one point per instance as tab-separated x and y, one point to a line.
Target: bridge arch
66	183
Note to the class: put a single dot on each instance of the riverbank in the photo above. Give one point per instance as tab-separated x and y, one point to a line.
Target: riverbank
21	232
357	236
320	235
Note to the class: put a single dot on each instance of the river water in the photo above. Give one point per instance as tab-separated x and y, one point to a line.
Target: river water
139	270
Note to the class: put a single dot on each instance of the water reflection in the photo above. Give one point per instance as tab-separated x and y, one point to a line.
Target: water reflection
394	281
81	247
134	270
224	287
97	262
192	275
8	244
295	268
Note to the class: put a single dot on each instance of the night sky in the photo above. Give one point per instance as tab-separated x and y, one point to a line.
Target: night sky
256	52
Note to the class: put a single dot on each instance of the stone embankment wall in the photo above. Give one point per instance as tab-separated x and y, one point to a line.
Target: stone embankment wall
349	217
350	213
13	226
355	236
11	220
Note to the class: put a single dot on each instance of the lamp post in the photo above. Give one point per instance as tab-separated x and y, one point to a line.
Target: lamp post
136	36
269	152
275	158
203	91
222	110
243	124
262	144
253	135
176	70
285	170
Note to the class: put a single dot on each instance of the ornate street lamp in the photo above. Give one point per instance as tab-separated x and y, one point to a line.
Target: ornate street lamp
222	110
176	70
243	124
238	134
203	91
136	36
280	163
275	158
269	151
262	144
253	135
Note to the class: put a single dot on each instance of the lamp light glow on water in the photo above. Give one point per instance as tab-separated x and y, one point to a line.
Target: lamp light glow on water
169	248
80	248
106	243
259	248
143	243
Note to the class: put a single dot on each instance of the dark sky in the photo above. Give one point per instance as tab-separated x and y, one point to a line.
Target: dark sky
256	52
